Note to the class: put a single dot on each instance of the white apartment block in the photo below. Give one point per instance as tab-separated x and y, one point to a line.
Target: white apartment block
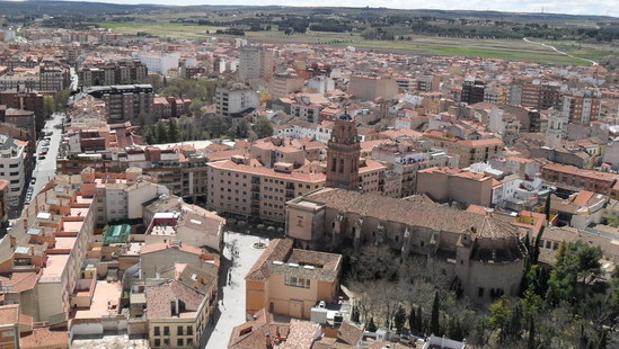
159	62
231	101
12	156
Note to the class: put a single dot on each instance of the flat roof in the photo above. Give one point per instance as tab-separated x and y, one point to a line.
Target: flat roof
72	226
56	263
105	301
67	243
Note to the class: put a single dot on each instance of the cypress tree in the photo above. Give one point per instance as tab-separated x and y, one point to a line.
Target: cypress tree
435	326
412	320
531	341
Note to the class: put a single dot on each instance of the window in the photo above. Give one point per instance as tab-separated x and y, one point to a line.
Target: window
166	330
480	292
157	331
180	342
189	331
166	342
189	342
179	330
157	343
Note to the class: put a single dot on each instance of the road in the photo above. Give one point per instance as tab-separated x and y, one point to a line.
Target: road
559	51
46	168
231	312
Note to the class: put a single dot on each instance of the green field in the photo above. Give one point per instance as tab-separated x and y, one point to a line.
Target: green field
514	50
161	29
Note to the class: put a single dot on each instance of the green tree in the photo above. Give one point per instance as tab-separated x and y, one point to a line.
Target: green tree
354	317
173	132
61	99
371	326
412	321
435	322
399	318
515	323
239	129
162	133
500	316
263	127
531	340
419	321
454	330
49	106
577	267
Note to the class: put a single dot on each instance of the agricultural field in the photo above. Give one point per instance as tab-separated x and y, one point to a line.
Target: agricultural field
515	50
160	29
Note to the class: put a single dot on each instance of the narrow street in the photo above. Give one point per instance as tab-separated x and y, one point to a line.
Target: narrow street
46	168
231	310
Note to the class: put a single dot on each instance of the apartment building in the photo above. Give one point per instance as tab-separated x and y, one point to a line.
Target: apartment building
43	77
573	178
535	94
119	197
13	168
27	100
289	282
243	186
116	73
159	62
235	100
473	91
444	184
126	102
582	106
179	310
369	88
406	159
46	248
255	64
283	84
468	151
20	118
170	107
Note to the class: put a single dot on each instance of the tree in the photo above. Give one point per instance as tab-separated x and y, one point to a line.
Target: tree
399	318
515	323
49	106
419	325
354	317
531	341
577	267
434	322
454	330
173	132
161	133
547	207
412	321
500	316
263	127
61	99
371	326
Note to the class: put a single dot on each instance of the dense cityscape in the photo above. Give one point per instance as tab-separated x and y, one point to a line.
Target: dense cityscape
262	184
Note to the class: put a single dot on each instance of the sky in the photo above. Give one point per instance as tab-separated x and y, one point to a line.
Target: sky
581	7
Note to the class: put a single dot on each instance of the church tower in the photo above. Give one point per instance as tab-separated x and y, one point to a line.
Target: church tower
343	154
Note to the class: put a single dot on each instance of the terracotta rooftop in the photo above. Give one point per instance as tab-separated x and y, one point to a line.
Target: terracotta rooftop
411	212
159	298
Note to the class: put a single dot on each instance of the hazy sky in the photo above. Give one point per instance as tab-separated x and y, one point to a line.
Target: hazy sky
591	7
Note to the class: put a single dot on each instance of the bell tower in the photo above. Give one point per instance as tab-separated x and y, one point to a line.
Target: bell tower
343	152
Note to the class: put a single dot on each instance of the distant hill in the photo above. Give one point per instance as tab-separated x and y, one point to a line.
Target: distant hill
38	8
